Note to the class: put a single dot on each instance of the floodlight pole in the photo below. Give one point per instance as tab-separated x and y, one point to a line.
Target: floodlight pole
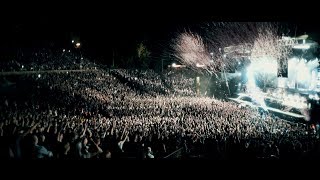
224	72
225	76
162	65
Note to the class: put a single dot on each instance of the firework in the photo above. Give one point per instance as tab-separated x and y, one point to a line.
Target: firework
268	45
223	44
254	40
189	49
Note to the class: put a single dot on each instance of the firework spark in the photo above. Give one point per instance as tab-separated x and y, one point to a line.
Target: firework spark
190	50
224	43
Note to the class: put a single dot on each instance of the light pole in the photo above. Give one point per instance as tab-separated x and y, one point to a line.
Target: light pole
162	65
77	46
112	57
224	72
211	54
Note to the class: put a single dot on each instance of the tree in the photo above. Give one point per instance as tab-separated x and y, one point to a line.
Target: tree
143	55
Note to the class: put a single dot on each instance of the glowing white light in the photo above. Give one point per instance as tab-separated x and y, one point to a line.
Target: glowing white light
198	79
69	51
239	63
239	84
63	50
72	41
177	65
250	75
78	45
281	82
199	65
22	66
301	46
81	58
39	75
303	73
239	74
296	101
265	65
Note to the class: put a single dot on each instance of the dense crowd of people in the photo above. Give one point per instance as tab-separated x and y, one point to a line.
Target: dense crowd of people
120	113
181	83
38	59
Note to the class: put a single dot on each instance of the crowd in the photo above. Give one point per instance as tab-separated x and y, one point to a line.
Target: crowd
38	59
121	113
145	82
182	83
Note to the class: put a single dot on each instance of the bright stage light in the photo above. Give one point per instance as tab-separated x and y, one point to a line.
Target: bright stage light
301	46
282	82
296	101
199	65
265	65
302	75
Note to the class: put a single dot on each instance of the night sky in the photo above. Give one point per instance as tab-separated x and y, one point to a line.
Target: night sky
100	33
